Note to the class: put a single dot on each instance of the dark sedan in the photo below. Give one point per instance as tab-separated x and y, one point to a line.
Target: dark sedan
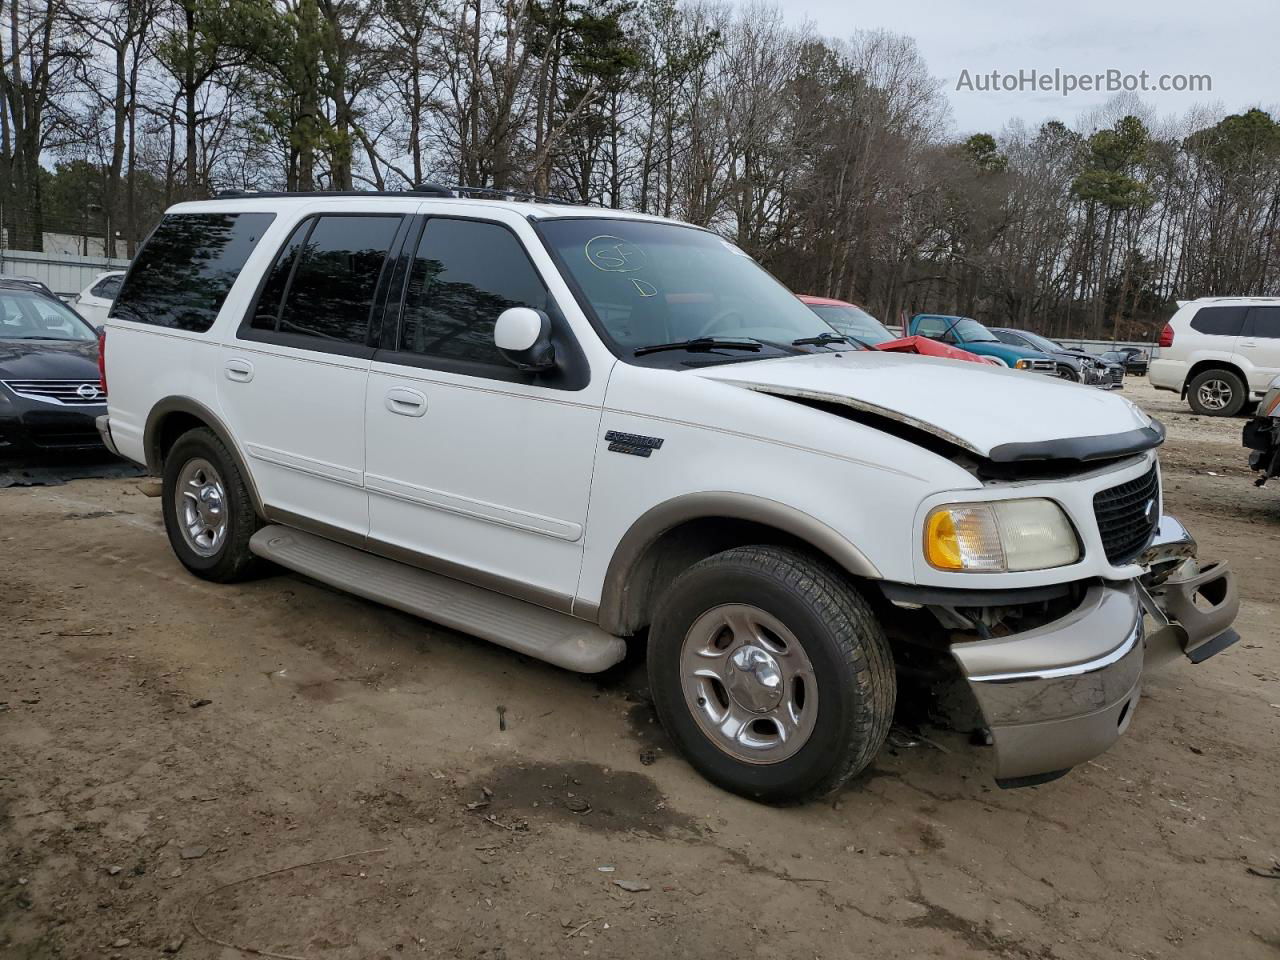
1135	360
50	390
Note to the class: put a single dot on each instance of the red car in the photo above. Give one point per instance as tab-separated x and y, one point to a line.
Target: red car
862	328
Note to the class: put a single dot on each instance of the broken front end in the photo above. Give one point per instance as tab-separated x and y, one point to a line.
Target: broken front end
1055	672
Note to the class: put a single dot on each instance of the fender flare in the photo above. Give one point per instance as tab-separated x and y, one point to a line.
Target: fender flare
619	583
175	404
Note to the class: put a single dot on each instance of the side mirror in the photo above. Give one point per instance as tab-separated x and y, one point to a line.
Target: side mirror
523	336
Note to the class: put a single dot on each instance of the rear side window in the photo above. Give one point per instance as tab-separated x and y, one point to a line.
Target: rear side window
325	277
464	274
1264	322
1219	321
185	270
107	288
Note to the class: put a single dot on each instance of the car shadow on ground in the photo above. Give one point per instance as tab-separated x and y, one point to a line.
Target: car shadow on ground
51	470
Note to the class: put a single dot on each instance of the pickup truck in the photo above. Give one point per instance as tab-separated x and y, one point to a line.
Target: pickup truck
574	431
969	334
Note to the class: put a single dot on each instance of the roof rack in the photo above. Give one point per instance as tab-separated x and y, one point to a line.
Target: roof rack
421	190
496	193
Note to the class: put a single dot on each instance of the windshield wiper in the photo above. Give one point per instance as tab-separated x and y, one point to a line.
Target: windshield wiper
820	340
700	343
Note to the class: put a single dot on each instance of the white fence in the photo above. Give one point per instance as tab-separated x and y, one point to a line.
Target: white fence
64	273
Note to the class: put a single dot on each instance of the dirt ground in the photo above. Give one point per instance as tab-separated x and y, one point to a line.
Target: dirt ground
200	770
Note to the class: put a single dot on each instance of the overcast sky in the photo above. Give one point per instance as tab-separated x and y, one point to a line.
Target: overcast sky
1234	41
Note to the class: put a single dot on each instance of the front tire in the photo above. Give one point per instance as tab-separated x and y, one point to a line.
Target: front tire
208	513
770	673
1217	393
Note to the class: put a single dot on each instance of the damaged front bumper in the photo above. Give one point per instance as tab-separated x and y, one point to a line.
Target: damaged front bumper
1063	692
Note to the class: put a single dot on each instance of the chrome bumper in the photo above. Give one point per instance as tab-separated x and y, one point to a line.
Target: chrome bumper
1062	693
103	423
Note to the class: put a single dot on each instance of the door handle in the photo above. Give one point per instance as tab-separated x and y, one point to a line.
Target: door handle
405	402
1248	343
241	371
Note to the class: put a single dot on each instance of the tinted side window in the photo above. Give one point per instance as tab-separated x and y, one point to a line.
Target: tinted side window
1220	321
465	274
1264	322
185	270
331	293
266	311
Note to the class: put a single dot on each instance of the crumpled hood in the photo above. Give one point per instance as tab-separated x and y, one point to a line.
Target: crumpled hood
1002	414
48	360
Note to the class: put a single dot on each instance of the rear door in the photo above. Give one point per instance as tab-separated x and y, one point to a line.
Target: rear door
292	384
1258	349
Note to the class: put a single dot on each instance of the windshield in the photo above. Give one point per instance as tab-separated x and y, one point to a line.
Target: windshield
971	331
657	283
29	316
1042	343
853	322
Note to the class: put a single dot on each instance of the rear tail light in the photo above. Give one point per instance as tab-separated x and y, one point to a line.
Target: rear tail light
102	359
1166	336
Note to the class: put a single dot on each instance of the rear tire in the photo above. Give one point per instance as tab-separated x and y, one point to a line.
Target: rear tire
1217	393
208	513
770	672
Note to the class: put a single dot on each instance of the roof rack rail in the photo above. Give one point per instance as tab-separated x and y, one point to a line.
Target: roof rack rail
421	190
500	193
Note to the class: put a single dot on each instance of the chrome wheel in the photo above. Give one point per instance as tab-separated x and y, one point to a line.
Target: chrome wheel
748	683
201	501
1214	394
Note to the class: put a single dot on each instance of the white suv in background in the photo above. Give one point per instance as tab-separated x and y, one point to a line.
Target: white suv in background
94	301
567	429
1220	352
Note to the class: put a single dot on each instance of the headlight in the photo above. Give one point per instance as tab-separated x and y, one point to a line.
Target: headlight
1002	536
1023	364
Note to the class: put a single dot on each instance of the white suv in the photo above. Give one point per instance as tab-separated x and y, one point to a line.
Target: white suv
561	428
1220	352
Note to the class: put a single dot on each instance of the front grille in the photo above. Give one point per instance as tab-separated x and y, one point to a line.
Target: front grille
1044	366
1117	374
72	393
1127	516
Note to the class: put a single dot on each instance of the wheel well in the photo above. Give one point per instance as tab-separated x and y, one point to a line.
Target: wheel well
166	434
1201	366
679	548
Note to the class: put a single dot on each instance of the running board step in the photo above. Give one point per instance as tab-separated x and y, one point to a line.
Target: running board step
517	625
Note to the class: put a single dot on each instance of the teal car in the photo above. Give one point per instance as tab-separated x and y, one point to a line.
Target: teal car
970	335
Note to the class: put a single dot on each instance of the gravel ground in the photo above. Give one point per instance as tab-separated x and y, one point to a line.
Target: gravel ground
195	770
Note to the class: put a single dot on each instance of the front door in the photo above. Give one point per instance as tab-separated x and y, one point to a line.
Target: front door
475	469
292	384
1258	348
